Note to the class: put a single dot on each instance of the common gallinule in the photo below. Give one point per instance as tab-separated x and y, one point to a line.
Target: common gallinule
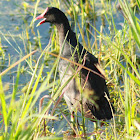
93	90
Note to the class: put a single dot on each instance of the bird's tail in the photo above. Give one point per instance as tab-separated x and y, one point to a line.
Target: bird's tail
104	111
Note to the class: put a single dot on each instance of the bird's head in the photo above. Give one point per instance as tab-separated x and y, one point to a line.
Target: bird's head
52	15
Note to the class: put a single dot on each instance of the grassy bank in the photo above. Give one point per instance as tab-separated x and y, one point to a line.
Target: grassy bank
118	51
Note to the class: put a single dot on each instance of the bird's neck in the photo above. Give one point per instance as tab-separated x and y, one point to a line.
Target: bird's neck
63	31
67	39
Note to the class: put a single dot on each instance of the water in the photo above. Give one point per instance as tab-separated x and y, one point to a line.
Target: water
12	33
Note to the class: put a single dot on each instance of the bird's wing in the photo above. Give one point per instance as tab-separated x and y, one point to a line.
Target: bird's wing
94	61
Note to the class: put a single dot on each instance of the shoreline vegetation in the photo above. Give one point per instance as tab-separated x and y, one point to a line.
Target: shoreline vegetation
36	109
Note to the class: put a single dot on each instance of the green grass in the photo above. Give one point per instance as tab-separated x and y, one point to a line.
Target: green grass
116	51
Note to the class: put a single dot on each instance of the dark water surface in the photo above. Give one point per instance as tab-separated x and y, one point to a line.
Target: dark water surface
13	24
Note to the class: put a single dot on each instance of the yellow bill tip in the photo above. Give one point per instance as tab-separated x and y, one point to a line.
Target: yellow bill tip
38	24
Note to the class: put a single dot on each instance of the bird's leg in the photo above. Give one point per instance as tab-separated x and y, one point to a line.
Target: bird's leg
73	119
73	122
77	125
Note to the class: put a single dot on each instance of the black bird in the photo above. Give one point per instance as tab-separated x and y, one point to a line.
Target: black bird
95	95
